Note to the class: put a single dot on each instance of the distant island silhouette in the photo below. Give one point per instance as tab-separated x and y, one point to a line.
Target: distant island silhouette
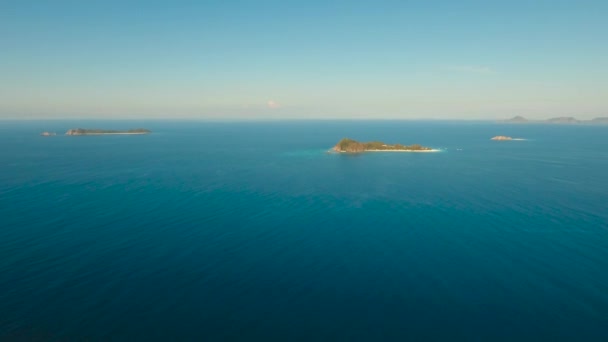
82	131
557	120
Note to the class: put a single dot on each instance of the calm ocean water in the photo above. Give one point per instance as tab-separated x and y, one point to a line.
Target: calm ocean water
250	231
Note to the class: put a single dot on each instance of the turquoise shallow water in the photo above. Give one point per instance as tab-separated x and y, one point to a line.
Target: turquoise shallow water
251	231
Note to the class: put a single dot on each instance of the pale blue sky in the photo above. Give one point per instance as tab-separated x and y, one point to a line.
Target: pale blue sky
310	59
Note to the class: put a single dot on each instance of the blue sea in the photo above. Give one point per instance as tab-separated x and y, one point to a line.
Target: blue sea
215	231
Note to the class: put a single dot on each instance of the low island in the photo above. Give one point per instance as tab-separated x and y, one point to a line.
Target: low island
505	138
352	146
502	137
81	131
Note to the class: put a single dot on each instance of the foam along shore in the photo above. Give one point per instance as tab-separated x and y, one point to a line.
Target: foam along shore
412	151
407	151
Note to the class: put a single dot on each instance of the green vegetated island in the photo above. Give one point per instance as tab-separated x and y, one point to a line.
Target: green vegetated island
347	145
82	131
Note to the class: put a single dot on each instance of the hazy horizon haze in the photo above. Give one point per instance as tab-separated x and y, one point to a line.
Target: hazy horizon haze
320	60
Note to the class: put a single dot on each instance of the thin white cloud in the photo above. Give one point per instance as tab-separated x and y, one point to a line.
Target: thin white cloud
474	69
272	104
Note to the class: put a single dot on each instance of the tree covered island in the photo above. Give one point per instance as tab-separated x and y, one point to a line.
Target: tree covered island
82	131
353	146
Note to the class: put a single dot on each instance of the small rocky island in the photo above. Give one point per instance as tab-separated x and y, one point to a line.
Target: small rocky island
81	131
347	145
502	137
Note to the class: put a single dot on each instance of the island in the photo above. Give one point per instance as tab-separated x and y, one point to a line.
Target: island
517	119
82	131
600	121
347	145
561	120
502	138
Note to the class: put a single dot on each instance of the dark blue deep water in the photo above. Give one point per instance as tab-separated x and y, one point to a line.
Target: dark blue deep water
250	231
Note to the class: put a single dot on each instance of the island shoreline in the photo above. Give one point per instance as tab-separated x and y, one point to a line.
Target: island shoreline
84	131
107	134
411	151
415	151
